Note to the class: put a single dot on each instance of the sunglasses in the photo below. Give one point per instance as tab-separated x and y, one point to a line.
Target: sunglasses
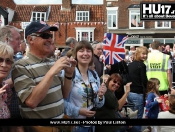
43	35
116	82
7	61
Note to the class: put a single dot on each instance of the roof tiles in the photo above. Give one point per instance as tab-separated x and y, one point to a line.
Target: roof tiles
23	12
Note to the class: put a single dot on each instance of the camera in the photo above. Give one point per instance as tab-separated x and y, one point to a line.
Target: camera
93	109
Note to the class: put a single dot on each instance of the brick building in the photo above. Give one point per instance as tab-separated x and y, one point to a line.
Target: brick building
74	20
90	22
120	15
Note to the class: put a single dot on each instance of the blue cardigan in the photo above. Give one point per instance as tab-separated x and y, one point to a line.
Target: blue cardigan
152	106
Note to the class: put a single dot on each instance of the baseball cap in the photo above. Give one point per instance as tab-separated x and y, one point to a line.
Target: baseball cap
38	26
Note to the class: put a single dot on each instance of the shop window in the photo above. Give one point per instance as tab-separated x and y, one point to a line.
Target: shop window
85	33
134	20
163	24
82	15
112	16
169	41
40	16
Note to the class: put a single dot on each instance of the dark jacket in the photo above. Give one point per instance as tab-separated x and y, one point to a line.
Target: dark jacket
98	65
118	67
137	74
107	111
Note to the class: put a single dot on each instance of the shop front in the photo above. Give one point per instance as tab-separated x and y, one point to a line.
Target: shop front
146	39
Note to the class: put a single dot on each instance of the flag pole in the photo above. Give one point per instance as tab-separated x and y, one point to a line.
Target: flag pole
103	60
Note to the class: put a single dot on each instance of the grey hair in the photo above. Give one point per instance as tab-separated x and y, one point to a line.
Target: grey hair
70	41
6	49
5	32
95	44
33	37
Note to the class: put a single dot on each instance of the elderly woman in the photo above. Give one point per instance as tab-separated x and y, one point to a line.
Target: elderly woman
6	61
112	104
86	93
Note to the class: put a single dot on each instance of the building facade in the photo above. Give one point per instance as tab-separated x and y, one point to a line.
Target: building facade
90	22
123	17
84	22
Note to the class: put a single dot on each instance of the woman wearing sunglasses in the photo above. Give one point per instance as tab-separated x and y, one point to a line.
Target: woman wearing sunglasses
86	93
112	104
6	61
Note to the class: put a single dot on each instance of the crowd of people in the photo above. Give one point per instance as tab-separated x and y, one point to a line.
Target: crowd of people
38	81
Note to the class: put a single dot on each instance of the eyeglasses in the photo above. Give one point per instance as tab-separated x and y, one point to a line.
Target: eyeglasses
43	35
7	61
116	82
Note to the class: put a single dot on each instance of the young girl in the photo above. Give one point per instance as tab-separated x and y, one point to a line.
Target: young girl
152	100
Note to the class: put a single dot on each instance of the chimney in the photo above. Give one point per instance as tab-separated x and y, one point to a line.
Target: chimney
66	5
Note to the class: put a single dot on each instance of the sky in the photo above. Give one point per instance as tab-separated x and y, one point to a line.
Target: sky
57	1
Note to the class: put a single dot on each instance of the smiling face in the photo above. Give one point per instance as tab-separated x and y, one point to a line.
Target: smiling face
83	53
5	66
114	85
141	53
39	46
114	82
6	60
84	56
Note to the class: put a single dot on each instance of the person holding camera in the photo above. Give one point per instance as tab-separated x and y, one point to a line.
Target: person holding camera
87	94
36	78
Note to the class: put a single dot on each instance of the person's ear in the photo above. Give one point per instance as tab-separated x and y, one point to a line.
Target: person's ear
30	39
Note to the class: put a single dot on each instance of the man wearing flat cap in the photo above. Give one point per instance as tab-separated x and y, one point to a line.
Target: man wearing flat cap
36	77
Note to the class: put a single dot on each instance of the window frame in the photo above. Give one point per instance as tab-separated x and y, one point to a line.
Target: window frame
163	26
32	18
116	14
80	30
135	12
77	12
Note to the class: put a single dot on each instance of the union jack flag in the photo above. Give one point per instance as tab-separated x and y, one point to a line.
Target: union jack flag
113	48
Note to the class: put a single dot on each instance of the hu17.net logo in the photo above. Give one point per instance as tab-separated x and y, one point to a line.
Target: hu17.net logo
157	11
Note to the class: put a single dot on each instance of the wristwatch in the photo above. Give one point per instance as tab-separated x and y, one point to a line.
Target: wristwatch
69	78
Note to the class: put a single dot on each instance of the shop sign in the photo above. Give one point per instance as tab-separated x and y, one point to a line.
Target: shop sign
139	36
133	42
